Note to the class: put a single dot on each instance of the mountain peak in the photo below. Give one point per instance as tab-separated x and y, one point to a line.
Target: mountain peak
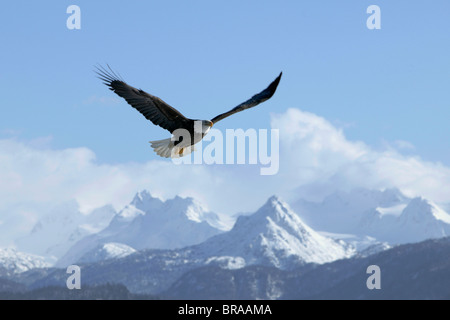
417	209
142	196
144	201
421	210
275	235
277	205
275	199
149	223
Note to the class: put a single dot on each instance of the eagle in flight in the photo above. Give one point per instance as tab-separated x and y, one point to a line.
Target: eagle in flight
185	132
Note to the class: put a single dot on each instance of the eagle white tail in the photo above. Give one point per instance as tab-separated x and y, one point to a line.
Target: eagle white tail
166	148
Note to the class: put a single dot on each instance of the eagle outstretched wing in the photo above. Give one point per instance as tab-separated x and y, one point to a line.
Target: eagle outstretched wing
151	107
253	101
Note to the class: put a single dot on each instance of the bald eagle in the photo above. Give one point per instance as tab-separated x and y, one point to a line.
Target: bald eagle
167	117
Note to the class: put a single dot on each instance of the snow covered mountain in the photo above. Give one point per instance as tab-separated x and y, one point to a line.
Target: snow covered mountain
416	271
106	251
149	222
275	240
54	234
344	224
274	236
419	220
341	211
387	215
13	262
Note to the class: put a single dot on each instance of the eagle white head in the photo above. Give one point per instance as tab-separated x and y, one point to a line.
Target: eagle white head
202	126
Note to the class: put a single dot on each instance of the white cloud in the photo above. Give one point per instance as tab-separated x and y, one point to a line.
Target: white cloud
320	159
315	159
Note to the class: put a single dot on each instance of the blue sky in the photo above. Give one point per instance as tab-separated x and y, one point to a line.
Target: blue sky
204	57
